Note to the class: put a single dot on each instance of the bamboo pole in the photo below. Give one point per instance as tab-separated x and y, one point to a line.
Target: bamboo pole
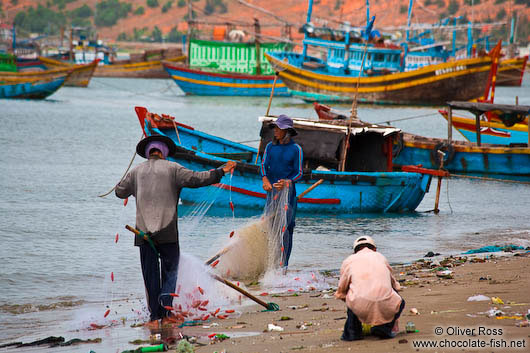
310	188
222	280
450	125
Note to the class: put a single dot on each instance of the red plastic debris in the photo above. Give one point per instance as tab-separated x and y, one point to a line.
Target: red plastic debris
125	202
200	290
106	313
232	206
212	335
117	237
215	263
112	276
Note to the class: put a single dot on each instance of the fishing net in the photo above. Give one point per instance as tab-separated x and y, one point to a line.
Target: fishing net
258	246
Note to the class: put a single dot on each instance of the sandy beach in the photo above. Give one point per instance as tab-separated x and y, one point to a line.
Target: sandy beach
313	321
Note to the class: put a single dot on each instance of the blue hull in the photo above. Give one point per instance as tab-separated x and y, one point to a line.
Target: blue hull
341	192
31	90
203	83
472	160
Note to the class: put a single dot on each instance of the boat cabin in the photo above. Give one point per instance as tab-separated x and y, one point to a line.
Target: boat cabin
334	145
344	53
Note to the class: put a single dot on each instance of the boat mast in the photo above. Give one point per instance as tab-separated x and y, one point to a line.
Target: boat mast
308	19
409	17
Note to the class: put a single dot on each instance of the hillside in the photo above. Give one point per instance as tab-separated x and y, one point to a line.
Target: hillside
389	14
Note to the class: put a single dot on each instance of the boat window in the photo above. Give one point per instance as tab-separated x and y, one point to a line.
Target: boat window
379	56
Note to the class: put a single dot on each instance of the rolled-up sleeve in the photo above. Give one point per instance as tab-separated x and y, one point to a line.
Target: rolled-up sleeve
126	186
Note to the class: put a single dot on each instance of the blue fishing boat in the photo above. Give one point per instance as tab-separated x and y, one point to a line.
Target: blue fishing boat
353	190
30	88
205	83
220	68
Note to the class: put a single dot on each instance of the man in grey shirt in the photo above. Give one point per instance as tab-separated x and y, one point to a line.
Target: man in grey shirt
156	185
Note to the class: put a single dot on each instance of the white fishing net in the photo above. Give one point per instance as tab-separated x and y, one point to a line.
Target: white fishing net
256	247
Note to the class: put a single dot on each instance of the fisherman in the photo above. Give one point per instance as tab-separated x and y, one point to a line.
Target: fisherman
156	185
370	291
281	167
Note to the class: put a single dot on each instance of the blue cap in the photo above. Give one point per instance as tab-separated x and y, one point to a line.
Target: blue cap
284	122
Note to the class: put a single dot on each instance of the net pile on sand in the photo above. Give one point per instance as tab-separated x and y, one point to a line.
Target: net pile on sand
258	246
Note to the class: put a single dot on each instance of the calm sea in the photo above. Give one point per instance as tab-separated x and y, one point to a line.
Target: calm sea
58	237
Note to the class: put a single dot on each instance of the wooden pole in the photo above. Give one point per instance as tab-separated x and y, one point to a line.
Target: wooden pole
449	125
439	187
310	188
272	93
477	127
257	30
71	51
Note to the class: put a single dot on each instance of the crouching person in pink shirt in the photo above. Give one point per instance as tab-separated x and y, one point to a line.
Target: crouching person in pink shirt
370	291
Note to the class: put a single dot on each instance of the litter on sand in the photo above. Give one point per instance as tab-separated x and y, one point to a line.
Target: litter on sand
478	298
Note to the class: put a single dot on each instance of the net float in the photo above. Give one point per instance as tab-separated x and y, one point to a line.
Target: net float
202	308
205	317
117	237
229	311
215	263
204	303
174	295
231	234
106	313
200	290
232	206
125	202
112	276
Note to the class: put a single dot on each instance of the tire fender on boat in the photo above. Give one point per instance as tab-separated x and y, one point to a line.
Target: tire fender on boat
445	147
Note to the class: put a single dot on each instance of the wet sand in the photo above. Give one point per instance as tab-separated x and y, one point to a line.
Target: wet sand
313	321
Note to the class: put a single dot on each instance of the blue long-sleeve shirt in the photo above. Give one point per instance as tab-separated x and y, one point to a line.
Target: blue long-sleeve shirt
282	161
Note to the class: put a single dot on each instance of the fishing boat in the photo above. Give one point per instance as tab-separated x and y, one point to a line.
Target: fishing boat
360	67
354	190
218	68
493	130
458	156
81	73
31	88
147	65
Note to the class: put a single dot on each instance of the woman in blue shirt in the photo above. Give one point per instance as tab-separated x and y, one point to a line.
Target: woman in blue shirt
281	167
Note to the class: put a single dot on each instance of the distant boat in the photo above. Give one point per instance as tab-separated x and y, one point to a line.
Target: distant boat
511	71
146	65
80	76
352	191
31	88
81	73
218	68
491	131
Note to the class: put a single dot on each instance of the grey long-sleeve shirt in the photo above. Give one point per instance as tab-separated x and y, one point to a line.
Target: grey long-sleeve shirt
156	185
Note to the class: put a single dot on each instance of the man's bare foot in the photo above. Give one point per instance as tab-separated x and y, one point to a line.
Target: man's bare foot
169	321
152	324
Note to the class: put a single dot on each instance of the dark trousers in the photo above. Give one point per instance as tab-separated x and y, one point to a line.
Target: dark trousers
272	206
160	276
353	328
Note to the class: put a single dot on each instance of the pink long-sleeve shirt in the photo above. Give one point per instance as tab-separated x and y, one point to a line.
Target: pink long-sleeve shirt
367	285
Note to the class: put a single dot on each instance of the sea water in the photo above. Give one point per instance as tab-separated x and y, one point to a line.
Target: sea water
61	265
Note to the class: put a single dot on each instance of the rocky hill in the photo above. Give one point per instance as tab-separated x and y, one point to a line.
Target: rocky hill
139	18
